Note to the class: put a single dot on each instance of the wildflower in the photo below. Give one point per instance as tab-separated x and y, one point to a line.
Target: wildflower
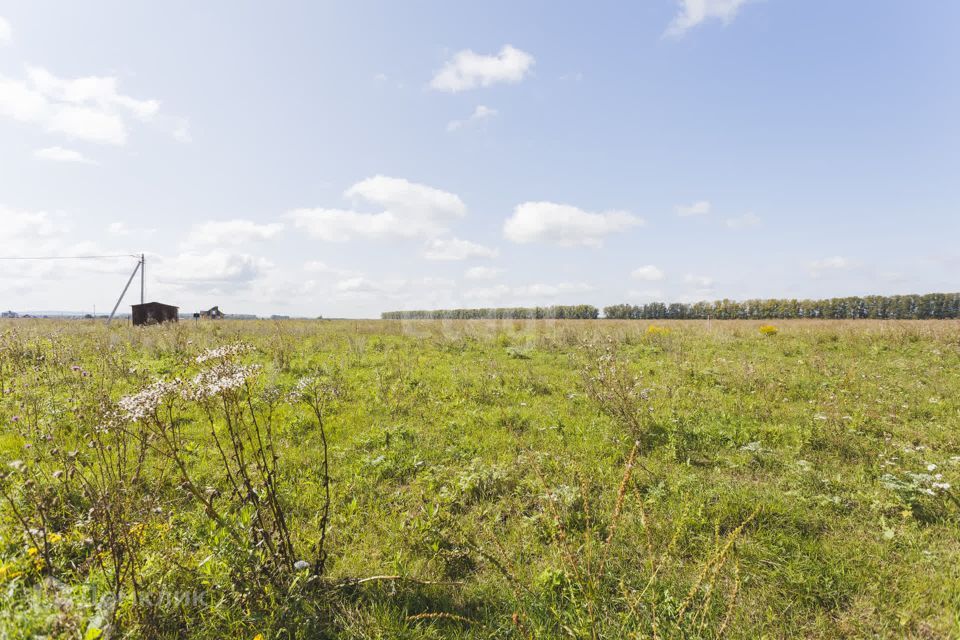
768	330
942	486
654	330
224	352
145	402
218	379
300	565
931	467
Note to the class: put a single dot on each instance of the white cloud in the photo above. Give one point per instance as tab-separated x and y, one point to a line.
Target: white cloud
88	108
215	269
6	32
231	232
410	210
456	249
832	264
359	284
693	12
317	266
59	154
119	229
469	70
699	208
564	225
27	229
744	221
648	273
479	114
701	282
122	230
482	273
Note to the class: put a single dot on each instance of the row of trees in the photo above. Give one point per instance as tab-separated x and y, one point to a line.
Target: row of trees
908	307
561	312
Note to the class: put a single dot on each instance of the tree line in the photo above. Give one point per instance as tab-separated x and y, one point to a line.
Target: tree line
906	307
931	306
559	312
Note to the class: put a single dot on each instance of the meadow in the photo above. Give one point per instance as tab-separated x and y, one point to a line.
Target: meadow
480	479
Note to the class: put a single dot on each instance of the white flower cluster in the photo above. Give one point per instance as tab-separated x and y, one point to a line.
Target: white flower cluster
139	405
224	352
218	379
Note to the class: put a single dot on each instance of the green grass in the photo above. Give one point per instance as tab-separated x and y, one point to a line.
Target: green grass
781	485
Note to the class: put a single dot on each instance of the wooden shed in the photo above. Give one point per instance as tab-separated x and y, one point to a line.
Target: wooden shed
154	313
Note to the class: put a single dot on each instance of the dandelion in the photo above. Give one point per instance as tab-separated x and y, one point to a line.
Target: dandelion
769	330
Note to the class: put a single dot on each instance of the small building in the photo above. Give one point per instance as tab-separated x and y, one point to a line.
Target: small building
9	314
213	313
154	313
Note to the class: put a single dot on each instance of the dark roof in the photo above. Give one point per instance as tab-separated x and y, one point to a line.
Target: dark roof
154	304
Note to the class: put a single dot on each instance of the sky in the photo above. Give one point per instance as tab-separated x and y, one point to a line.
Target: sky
347	158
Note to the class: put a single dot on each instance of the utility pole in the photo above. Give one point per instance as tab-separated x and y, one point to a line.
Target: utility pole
143	269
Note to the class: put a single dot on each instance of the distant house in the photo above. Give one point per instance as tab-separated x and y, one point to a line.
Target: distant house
154	313
277	317
213	313
9	314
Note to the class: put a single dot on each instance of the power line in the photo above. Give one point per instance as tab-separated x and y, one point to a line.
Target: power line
123	255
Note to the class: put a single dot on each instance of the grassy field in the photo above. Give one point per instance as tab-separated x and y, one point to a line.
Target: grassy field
571	479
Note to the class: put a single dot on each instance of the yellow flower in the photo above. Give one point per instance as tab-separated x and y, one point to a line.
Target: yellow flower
259	636
32	551
654	330
768	330
54	538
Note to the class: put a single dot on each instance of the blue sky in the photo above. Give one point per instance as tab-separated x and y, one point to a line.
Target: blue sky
349	158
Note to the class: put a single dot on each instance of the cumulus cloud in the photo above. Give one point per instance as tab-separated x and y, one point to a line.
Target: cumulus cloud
482	273
479	114
231	232
564	225
59	154
29	230
469	70
216	269
409	210
648	273
699	208
693	12
456	249
6	32
89	108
